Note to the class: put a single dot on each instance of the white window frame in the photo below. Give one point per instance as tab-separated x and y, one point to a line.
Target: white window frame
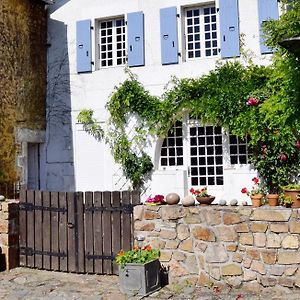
201	7
114	42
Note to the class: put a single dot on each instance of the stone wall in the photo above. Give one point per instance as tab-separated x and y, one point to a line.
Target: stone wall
9	235
224	245
23	48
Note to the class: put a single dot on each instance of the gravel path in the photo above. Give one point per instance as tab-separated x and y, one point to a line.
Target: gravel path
24	283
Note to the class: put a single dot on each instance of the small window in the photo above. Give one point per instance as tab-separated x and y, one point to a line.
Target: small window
171	153
111	45
201	32
238	150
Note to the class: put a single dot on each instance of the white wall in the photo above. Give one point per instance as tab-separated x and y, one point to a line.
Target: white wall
93	165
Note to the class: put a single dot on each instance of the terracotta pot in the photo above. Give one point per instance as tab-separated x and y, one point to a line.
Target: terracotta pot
172	198
273	199
293	194
205	200
256	200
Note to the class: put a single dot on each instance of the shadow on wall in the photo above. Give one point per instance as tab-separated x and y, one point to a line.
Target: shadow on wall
58	164
58	4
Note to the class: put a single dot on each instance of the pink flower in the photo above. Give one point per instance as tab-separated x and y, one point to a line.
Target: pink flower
297	145
283	157
252	101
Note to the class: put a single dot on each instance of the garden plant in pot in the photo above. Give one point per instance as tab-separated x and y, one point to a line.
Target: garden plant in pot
257	192
293	191
139	270
202	196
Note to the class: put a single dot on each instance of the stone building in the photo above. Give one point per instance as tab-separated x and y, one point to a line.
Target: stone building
23	46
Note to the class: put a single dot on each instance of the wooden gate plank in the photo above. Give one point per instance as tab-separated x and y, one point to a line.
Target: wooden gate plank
107	234
62	232
38	240
80	233
46	230
54	232
89	233
23	228
126	224
72	255
98	238
30	228
116	228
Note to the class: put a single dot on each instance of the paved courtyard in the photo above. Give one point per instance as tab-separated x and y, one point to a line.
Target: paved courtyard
23	283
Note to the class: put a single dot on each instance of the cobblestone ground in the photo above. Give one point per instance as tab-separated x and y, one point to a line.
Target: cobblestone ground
23	283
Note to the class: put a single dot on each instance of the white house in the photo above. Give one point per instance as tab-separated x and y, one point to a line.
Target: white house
90	43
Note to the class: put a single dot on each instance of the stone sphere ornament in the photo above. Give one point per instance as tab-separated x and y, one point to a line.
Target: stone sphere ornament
188	201
2	198
172	198
222	202
244	203
233	202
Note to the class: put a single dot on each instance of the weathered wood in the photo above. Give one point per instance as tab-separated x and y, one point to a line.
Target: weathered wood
89	233
30	229
80	245
107	234
46	231
116	228
98	238
23	228
71	227
126	224
62	232
54	232
38	240
75	232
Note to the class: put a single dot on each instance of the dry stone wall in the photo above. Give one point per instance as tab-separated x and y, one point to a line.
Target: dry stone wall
217	245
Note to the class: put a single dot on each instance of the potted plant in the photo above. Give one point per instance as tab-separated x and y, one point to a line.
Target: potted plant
293	191
202	196
257	192
286	201
139	270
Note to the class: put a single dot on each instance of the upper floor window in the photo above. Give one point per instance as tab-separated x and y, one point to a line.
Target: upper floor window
201	32
111	45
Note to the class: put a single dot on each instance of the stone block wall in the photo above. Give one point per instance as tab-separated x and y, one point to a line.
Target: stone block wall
9	235
236	246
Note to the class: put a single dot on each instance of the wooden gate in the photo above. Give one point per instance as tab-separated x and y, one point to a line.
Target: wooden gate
75	232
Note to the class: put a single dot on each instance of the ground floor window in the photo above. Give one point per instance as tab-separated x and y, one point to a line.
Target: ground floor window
203	150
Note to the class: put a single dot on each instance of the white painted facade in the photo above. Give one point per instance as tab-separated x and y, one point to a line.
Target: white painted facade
76	161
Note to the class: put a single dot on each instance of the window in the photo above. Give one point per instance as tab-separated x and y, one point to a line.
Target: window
206	155
111	45
201	32
172	148
238	150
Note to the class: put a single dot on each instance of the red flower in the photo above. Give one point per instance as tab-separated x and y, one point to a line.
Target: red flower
297	145
192	191
283	157
244	190
255	180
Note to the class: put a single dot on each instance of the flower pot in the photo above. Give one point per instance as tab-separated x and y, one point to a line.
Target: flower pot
205	200
256	200
293	194
140	279
172	198
273	199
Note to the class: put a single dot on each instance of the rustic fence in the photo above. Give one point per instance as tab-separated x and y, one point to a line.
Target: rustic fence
75	231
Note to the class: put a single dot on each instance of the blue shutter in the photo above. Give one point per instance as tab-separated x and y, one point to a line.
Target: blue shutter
229	28
267	9
169	35
135	35
83	46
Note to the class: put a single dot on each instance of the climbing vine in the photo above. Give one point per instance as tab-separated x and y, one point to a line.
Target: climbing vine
258	101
